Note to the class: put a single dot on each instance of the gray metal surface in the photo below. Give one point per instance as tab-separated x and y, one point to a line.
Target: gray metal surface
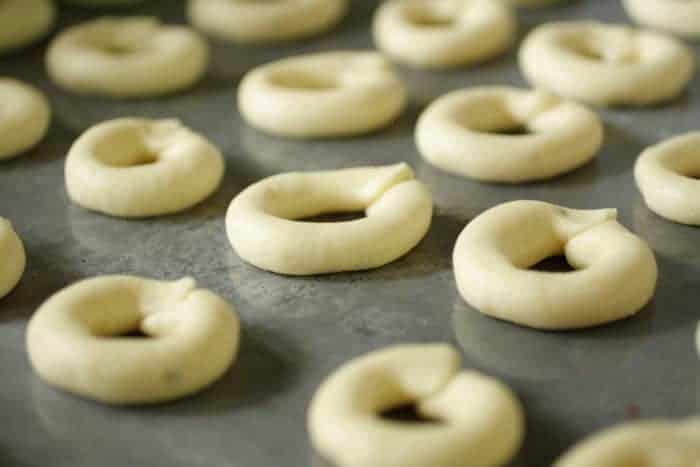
297	330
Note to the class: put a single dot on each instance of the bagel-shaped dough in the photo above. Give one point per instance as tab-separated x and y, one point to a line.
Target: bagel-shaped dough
78	339
479	420
13	257
665	177
615	271
606	64
681	17
656	443
262	228
24	21
322	95
127	57
24	117
455	133
280	20
132	167
443	33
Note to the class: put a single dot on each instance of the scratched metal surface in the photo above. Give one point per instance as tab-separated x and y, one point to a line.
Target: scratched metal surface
296	330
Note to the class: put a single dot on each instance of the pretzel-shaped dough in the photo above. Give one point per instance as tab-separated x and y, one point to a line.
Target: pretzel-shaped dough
262	227
24	119
13	257
681	17
24	21
76	339
615	271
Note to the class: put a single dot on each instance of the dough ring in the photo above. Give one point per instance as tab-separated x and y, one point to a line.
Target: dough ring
443	33
657	443
24	117
615	271
263	228
133	167
458	133
476	420
13	257
681	17
664	175
281	20
606	64
127	57
322	95
78	339
24	21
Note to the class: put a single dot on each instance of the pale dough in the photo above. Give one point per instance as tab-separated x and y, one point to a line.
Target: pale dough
265	21
458	133
266	228
479	420
24	117
614	273
681	17
530	3
134	167
443	33
127	57
13	257
24	21
76	340
322	95
665	177
606	64
653	443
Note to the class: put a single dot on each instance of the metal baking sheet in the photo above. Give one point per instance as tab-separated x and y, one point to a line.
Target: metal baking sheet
297	330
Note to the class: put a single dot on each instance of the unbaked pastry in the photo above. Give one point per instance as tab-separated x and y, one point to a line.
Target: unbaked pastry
266	228
476	420
127	57
459	134
322	95
443	33
614	273
681	17
133	167
24	117
606	64
79	340
13	257
261	21
24	21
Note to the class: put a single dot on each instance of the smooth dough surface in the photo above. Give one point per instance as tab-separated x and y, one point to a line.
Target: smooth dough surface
133	167
443	33
24	21
266	228
76	340
665	175
322	95
25	116
614	273
606	64
459	134
653	443
13	257
479	420
681	17
280	20
127	57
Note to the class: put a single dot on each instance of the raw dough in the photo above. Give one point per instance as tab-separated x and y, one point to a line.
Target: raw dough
127	57
681	17
134	167
13	257
479	420
76	340
262	226
664	175
656	443
606	64
322	95
615	271
24	21
265	21
24	117
443	33
456	134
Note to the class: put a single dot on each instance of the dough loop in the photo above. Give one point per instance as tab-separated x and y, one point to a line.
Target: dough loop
78	339
681	17
476	420
25	116
615	271
13	257
24	21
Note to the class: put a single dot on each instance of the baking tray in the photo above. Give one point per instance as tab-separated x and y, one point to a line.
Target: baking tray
297	330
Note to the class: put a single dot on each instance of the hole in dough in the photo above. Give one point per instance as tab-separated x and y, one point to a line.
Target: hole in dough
556	263
515	130
336	217
407	413
133	334
429	18
303	80
594	52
